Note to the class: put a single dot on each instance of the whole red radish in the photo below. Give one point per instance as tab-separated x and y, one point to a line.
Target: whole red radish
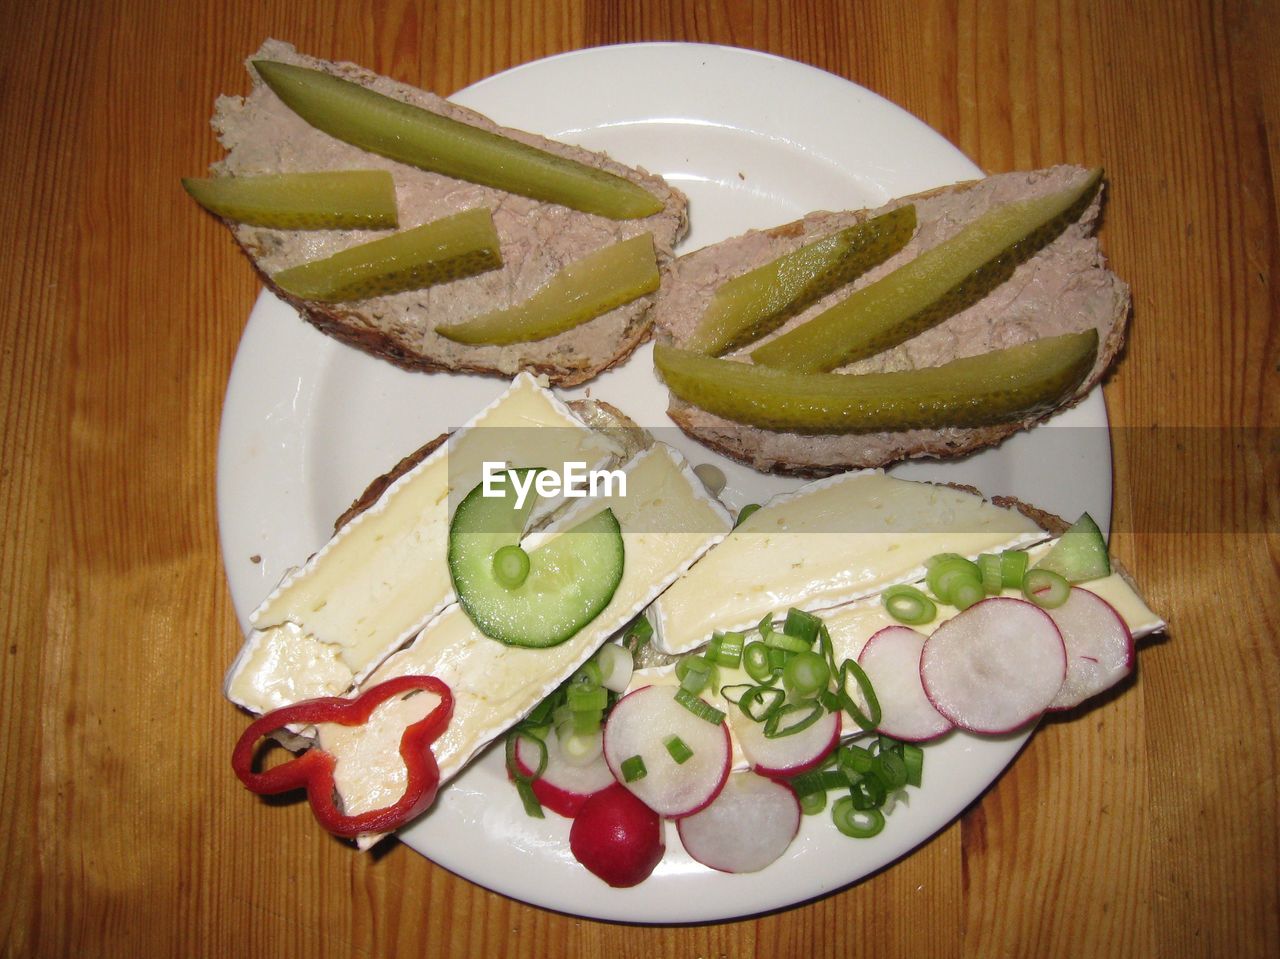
617	837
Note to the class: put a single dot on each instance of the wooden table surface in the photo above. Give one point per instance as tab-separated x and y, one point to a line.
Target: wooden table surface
1146	827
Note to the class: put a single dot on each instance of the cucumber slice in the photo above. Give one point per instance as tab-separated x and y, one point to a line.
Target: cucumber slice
337	200
938	283
570	579
1009	384
401	131
761	300
586	288
460	245
1080	554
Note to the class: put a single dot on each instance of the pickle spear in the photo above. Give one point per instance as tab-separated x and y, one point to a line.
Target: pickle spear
758	302
1009	384
409	134
339	200
583	290
938	283
449	249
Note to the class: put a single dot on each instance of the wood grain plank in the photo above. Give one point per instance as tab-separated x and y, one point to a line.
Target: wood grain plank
1146	826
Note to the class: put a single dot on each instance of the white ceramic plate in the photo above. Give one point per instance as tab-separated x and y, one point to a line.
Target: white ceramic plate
754	140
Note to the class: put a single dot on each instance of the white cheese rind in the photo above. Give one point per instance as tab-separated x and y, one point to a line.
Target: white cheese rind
384	575
828	543
495	685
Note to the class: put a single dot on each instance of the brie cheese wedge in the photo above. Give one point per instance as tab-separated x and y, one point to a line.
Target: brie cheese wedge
667	519
385	574
826	544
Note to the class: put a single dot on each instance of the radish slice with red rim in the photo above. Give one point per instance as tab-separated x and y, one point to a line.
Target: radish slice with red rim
785	755
891	660
640	725
748	826
994	667
1100	650
563	786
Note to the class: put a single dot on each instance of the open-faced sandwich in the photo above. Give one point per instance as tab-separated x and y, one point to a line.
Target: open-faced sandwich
425	234
936	325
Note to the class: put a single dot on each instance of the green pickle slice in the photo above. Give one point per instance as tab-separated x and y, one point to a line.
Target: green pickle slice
460	245
995	387
335	200
938	283
583	290
409	134
758	302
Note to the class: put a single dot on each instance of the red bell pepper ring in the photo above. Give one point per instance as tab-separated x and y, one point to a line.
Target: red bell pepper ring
313	770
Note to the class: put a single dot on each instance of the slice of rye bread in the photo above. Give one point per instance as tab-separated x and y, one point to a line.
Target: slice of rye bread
1064	288
262	135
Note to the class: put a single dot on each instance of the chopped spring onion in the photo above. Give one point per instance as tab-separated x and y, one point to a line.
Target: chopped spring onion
638	634
700	708
734	694
587	699
773	728
891	769
529	799
755	660
523	781
913	756
867	792
510	566
745	513
854	761
616	666
1013	566
588	675
786	642
765	626
1045	588
908	605
946	570
586	722
966	592
802	625
578	749
696	674
871	718
989	564
759	702
633	769
678	749
813	803
806	784
856	823
806	674
728	651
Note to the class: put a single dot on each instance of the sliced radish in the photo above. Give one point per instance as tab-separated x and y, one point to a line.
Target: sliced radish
785	755
1099	645
891	660
994	667
563	786
640	725
750	824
